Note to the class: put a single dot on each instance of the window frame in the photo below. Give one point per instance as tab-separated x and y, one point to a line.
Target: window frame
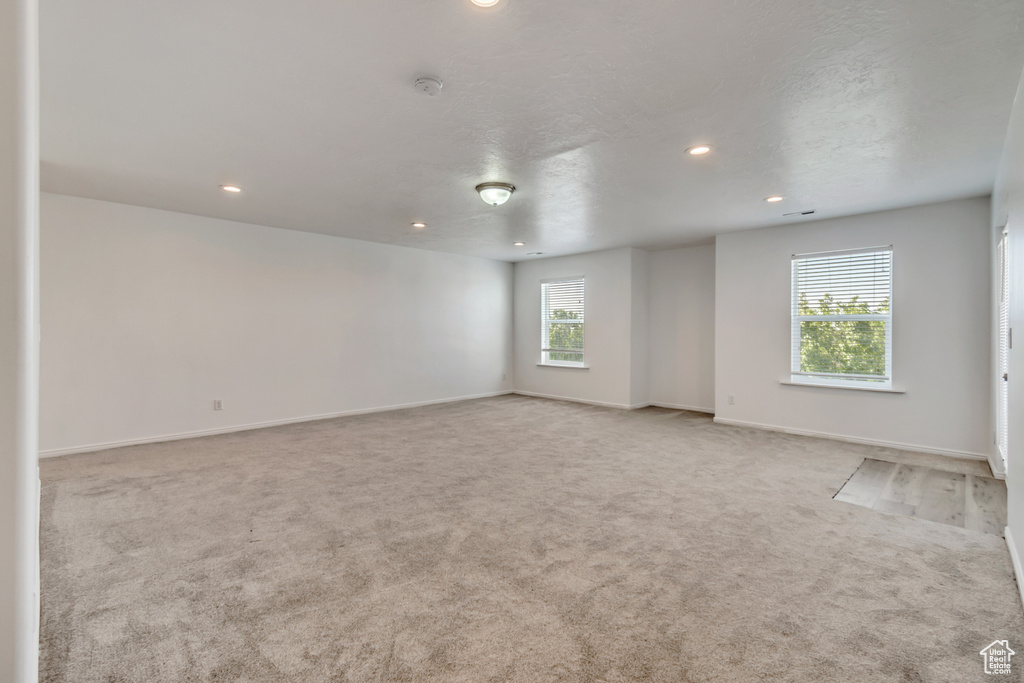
839	380
545	321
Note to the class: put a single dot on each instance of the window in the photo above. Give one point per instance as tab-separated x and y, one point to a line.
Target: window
561	306
842	318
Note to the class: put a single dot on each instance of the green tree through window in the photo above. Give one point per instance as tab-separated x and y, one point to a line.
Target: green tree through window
565	336
843	347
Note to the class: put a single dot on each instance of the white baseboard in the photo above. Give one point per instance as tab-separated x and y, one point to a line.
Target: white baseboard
679	406
603	404
855	439
54	452
619	406
1015	559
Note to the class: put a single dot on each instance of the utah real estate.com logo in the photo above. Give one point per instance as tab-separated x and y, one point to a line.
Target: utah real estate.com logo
997	657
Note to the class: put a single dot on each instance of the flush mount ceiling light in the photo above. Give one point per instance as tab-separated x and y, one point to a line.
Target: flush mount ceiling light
698	150
419	225
485	3
495	194
774	198
231	188
519	244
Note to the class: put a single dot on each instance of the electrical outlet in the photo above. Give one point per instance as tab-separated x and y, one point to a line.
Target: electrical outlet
217	405
732	400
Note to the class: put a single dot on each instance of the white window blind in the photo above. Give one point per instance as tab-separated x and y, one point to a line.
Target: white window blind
1003	397
842	318
562	322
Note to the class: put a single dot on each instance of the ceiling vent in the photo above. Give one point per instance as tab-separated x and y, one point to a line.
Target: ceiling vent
799	213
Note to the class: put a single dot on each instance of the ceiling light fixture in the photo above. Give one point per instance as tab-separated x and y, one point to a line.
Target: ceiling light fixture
698	150
419	225
231	188
774	198
495	194
519	244
485	3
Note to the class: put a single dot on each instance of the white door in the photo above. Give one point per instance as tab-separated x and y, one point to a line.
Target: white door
1003	341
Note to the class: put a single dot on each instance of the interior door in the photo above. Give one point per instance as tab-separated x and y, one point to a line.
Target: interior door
1004	341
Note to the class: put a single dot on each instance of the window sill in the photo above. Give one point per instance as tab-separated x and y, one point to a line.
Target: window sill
839	386
557	365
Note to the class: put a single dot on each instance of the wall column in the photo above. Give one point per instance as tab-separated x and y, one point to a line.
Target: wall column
19	341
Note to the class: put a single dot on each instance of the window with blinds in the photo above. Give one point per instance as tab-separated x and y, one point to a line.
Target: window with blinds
1003	360
561	305
842	318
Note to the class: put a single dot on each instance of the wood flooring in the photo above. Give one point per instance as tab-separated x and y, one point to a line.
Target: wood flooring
964	500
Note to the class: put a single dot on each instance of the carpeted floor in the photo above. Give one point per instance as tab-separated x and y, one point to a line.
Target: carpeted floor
506	539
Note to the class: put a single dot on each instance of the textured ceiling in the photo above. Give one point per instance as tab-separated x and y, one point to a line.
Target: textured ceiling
586	106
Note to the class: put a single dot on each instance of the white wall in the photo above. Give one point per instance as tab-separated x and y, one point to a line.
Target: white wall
19	342
682	328
1008	207
607	332
148	316
941	330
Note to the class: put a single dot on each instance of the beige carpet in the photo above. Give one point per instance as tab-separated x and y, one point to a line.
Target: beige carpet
505	539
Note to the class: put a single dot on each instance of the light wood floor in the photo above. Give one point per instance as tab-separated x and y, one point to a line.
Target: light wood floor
964	500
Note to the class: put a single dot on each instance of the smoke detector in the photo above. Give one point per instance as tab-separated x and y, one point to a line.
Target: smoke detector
428	85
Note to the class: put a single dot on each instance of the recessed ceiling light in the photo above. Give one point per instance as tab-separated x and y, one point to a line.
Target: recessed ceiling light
698	150
231	188
519	244
419	225
485	3
774	198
